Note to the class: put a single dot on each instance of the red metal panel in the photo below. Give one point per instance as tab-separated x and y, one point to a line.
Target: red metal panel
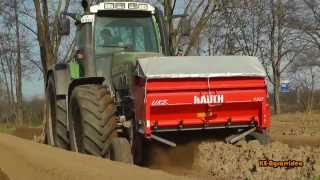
187	97
236	112
195	102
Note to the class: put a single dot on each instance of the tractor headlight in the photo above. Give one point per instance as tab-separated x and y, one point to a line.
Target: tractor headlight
111	6
143	6
133	6
108	5
120	6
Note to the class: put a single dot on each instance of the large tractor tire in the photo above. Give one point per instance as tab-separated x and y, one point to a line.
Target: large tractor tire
93	122
56	124
137	146
120	150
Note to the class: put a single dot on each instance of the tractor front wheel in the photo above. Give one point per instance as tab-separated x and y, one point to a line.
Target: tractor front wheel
56	122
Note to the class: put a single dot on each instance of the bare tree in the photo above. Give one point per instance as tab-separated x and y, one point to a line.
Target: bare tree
305	74
239	27
48	38
250	26
258	28
197	15
7	67
18	67
282	48
311	25
11	58
14	50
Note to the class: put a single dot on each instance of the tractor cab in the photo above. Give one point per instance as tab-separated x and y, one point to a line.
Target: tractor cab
117	33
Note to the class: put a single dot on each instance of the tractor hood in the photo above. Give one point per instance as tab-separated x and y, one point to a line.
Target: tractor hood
117	63
121	58
199	67
125	63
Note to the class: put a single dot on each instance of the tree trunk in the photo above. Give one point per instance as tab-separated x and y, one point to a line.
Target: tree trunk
46	56
274	60
18	69
11	75
311	93
6	82
48	45
10	65
276	91
169	25
209	45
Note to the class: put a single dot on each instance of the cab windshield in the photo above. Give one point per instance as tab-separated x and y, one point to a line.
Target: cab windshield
135	34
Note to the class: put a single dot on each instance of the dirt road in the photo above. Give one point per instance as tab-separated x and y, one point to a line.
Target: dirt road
24	160
295	137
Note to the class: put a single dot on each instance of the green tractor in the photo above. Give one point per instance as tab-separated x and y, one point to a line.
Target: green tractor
121	89
89	98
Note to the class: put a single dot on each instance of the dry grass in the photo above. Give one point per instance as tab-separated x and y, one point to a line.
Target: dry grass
309	122
298	116
7	128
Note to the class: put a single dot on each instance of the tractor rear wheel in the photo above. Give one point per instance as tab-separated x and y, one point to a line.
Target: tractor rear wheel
93	121
56	124
120	150
137	145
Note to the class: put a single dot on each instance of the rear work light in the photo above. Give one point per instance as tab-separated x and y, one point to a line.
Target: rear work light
143	6
133	6
120	5
108	5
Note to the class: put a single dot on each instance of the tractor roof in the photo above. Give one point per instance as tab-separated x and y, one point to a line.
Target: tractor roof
122	6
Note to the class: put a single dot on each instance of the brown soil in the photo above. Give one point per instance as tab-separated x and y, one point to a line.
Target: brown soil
296	129
178	160
241	161
25	160
3	176
198	156
294	136
27	133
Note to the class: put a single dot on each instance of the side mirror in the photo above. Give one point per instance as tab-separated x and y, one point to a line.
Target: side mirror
64	26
